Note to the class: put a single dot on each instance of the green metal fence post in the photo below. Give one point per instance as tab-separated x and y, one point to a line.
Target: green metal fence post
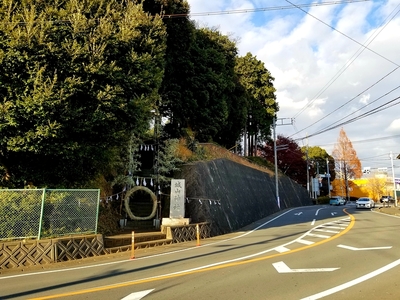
97	211
41	215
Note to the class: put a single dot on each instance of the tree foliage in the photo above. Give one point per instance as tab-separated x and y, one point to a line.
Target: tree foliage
77	78
346	160
290	160
317	161
260	91
318	157
347	164
203	100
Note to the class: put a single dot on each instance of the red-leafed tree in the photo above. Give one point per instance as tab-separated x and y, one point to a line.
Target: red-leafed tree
290	158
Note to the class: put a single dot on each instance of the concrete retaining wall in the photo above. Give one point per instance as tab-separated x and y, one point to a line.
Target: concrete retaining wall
229	195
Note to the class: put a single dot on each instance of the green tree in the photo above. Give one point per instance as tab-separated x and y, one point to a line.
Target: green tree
77	79
317	160
261	100
200	93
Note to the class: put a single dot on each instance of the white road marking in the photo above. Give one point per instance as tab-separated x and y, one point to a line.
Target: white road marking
138	295
326	230
299	213
191	248
353	282
282	249
333	213
322	236
316	213
313	222
305	242
332	227
281	267
362	249
152	256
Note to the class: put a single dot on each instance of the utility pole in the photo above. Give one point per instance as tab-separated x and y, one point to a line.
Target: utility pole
329	177
308	172
282	122
394	181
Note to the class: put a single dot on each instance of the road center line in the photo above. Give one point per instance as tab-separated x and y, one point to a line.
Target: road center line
219	265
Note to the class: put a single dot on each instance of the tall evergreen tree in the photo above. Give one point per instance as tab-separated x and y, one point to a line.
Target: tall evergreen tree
261	100
77	79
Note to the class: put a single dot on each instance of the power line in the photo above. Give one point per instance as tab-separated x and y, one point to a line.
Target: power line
262	9
369	113
359	94
350	38
370	140
366	105
349	62
226	12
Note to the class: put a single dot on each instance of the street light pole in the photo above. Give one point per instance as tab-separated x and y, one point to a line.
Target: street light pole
282	122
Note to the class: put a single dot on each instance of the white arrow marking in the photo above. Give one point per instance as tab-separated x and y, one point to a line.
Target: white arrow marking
362	249
281	267
138	295
333	213
299	213
353	282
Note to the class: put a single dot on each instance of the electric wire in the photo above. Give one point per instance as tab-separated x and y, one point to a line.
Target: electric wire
350	38
366	105
351	60
262	9
223	12
355	97
371	140
366	114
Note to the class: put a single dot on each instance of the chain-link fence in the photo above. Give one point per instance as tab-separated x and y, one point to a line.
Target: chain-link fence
45	213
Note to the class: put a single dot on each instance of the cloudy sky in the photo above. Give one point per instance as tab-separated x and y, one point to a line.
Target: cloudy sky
335	65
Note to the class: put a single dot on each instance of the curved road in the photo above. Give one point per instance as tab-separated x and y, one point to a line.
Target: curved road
304	253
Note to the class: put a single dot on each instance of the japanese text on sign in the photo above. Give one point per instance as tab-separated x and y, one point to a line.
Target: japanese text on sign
177	206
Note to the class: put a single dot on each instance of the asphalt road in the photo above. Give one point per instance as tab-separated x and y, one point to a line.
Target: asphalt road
305	253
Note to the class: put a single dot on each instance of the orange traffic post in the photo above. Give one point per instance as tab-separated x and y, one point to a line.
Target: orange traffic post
198	234
133	245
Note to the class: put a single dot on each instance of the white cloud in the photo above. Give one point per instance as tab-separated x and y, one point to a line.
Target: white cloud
322	76
364	99
394	126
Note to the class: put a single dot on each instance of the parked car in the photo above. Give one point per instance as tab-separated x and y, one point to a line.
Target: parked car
386	199
337	200
365	202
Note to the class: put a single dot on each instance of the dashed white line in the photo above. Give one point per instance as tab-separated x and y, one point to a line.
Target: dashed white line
319	235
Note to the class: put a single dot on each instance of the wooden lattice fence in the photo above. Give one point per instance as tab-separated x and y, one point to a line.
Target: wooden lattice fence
26	253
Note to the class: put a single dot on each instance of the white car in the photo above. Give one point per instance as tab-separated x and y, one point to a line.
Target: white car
365	202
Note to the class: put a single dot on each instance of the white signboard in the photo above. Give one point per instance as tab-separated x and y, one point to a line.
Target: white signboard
177	205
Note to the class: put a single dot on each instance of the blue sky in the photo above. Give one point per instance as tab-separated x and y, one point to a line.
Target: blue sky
324	75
